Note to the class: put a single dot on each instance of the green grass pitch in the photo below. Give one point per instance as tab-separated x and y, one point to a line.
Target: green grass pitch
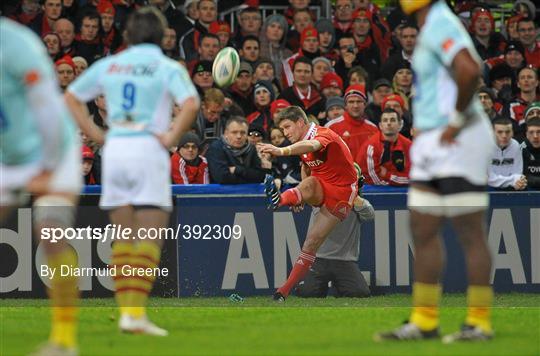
217	326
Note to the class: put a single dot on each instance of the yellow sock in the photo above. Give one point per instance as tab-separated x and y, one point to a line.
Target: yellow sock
64	295
147	255
479	301
425	313
122	252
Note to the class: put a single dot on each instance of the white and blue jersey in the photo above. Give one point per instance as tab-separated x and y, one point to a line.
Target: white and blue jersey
440	39
139	85
29	89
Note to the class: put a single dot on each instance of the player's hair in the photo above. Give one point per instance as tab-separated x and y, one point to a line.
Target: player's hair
250	38
302	59
293	113
238	119
146	25
207	35
214	95
533	122
501	121
391	111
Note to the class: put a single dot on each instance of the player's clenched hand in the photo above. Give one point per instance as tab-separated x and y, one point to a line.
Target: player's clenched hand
40	183
449	135
297	208
268	148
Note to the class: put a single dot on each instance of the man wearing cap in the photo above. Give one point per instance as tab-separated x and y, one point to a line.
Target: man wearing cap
449	160
65	70
500	80
396	102
112	39
369	47
222	29
532	111
331	85
487	42
487	98
303	93
407	41
201	75
263	95
241	91
277	106
381	88
327	39
530	149
526	28
88	173
384	157
335	107
353	126
187	166
309	43
514	56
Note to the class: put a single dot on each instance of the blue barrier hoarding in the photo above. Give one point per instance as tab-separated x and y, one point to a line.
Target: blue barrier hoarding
260	259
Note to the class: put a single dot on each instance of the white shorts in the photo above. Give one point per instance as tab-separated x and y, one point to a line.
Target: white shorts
67	177
468	158
136	171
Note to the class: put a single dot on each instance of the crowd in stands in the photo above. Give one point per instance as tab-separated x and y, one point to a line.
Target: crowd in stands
351	72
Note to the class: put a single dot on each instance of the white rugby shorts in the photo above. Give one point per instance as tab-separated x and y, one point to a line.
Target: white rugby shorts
135	171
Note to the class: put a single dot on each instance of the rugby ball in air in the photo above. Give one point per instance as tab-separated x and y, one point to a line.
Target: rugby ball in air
226	66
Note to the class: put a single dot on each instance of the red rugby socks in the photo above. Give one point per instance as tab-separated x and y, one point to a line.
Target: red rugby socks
300	269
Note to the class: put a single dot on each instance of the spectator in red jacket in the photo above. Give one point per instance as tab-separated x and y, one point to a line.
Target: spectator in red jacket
187	166
87	165
385	156
309	42
353	126
487	42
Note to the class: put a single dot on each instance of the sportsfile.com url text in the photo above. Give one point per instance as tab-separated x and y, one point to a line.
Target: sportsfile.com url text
117	232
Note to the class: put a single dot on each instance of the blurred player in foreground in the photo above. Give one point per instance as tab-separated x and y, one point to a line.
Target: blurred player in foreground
39	153
330	181
450	160
140	85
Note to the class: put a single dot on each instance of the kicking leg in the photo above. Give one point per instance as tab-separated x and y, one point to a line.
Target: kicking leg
308	191
323	224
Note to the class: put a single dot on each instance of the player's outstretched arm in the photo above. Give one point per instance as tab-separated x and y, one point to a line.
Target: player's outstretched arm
79	110
295	149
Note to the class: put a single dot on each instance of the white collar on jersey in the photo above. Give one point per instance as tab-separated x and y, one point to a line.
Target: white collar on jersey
311	132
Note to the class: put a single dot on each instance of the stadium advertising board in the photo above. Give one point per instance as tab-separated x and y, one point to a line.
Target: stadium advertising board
223	244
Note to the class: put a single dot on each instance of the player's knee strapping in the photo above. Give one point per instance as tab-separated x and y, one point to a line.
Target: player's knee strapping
54	210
